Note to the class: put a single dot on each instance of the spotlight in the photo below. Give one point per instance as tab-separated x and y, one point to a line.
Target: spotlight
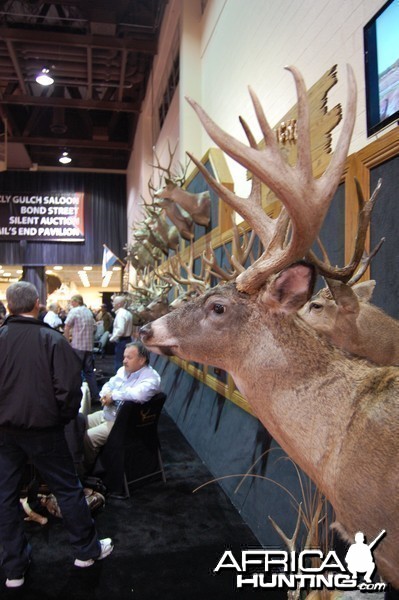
65	158
44	77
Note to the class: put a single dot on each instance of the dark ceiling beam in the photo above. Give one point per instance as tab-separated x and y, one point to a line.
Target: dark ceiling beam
32	121
122	75
68	39
71	143
16	66
25	100
89	91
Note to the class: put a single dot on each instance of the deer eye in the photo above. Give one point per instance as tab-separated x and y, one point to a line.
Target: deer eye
218	308
315	306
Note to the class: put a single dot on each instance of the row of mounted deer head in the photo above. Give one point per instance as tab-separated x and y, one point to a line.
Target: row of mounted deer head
336	416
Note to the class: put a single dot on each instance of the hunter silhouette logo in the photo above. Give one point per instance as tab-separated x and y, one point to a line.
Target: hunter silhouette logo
359	557
297	570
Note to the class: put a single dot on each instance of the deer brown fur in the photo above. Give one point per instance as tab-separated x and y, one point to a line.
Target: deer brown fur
335	416
198	205
352	323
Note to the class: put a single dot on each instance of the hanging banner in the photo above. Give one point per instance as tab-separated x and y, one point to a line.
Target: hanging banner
42	218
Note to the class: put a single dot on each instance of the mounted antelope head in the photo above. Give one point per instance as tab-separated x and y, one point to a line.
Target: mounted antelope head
337	417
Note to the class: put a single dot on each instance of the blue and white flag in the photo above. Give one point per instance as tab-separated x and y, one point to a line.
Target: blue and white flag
109	259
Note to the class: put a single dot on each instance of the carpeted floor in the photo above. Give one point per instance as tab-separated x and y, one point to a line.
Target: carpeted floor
168	540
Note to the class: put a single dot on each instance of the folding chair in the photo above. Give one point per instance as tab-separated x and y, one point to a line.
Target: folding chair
132	452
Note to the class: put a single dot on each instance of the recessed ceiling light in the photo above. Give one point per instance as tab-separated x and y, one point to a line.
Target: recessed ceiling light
58	268
116	268
87	268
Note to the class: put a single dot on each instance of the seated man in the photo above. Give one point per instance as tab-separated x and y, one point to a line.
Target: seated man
136	381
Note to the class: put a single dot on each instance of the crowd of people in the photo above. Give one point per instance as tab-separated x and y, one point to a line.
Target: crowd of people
44	356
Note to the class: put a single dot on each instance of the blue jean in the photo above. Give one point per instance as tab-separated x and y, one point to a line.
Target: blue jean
120	346
48	452
87	360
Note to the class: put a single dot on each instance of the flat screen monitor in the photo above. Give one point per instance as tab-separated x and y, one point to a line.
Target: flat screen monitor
381	54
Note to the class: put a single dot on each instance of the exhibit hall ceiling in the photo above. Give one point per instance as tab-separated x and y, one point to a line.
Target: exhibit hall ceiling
99	54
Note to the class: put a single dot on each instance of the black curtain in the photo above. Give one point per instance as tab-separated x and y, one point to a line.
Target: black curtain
105	217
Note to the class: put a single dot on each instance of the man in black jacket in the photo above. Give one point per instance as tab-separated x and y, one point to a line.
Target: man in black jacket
39	394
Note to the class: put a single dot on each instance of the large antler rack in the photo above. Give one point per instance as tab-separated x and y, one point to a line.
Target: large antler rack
360	260
305	198
237	261
197	283
179	177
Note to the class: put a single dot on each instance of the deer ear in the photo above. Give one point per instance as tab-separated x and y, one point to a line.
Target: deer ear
344	296
292	288
364	290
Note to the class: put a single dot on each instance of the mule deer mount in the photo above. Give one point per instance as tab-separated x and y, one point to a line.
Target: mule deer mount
336	416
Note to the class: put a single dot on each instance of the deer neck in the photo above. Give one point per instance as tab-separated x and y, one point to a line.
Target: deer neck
303	395
181	197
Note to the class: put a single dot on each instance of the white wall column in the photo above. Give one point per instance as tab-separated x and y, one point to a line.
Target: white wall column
190	78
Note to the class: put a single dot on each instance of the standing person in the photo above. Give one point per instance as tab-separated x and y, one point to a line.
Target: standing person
52	318
39	394
122	330
81	324
106	317
3	313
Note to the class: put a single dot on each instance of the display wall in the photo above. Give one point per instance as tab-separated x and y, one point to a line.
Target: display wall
239	48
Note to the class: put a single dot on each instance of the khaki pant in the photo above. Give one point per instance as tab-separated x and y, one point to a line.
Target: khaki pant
98	430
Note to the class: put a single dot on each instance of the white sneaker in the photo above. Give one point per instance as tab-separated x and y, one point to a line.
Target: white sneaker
15	583
106	549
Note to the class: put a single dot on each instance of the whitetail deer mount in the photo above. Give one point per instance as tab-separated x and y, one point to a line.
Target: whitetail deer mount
181	219
346	317
342	311
198	206
337	417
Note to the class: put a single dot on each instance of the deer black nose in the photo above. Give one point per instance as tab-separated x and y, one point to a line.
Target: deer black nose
145	332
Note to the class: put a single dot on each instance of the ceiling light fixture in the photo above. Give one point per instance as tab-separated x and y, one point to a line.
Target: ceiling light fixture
44	77
84	279
106	279
65	158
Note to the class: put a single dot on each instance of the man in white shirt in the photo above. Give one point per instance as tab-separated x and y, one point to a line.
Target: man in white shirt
51	317
136	381
122	329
